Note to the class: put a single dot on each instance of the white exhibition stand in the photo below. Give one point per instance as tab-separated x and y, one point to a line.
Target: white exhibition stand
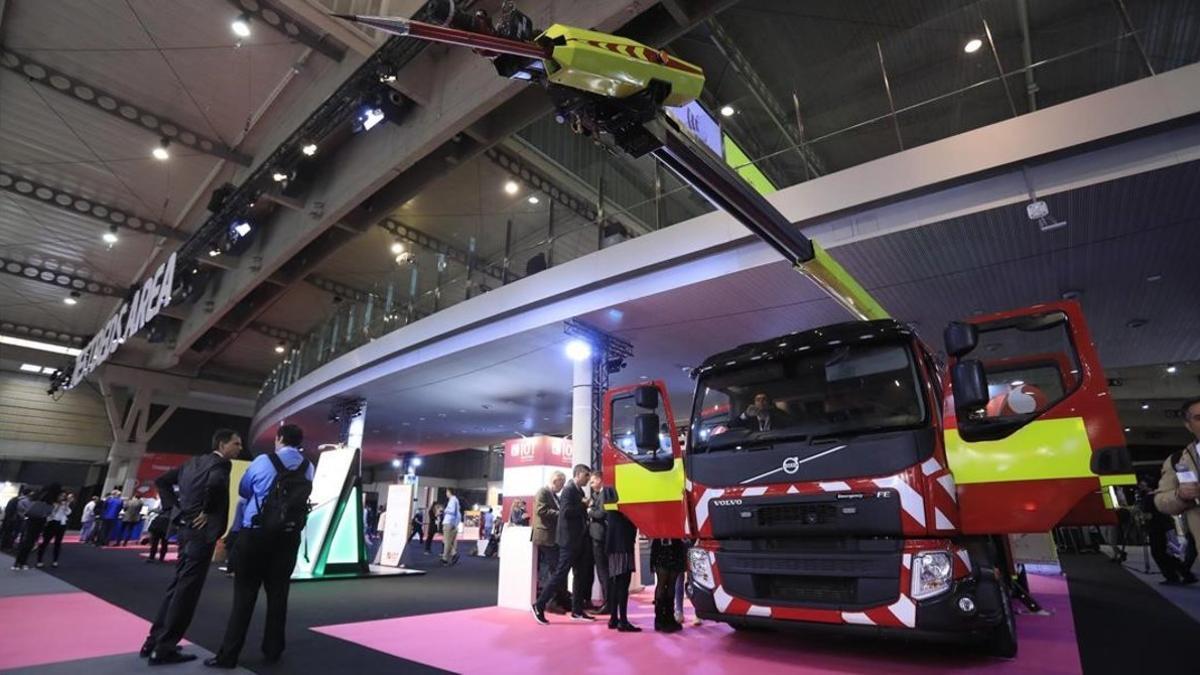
396	525
518	571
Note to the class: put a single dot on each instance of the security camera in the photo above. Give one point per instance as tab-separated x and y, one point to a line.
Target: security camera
1037	210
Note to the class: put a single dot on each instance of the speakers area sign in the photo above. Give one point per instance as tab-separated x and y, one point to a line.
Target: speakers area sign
130	317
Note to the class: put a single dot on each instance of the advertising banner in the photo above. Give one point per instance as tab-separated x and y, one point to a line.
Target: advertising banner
153	465
397	522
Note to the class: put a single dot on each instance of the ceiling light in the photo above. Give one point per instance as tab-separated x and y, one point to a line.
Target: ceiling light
110	237
511	187
214	252
972	45
416	461
578	350
1154	278
241	26
396	463
39	346
309	150
49	371
533	199
397	248
30	368
1145	406
1171	370
280	348
160	152
727	111
370	117
71	299
279	176
243	228
1127	429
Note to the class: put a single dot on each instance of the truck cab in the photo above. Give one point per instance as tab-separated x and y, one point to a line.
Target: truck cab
831	478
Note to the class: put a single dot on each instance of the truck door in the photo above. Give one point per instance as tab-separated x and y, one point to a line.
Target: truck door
643	460
1032	432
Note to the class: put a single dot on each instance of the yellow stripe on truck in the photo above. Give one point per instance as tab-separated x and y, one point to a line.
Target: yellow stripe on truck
1043	449
637	485
841	286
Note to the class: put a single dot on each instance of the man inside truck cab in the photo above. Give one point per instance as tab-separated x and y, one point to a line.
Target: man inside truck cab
1179	488
763	415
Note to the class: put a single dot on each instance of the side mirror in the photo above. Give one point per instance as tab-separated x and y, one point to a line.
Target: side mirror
645	431
646	397
969	383
960	338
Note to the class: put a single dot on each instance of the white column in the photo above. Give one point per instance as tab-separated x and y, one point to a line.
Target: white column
581	412
123	460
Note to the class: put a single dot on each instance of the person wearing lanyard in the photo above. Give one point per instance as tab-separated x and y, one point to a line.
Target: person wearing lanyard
1178	492
265	555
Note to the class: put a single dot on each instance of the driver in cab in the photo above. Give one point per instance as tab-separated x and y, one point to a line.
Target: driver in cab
763	415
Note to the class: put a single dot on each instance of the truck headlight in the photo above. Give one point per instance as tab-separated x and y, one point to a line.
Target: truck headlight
931	572
701	568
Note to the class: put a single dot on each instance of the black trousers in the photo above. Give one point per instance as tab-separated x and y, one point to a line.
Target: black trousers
157	540
231	551
104	531
29	539
179	602
53	532
570	557
664	593
618	596
266	560
126	532
600	559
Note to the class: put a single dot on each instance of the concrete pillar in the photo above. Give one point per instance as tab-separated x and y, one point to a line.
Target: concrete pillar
581	412
123	460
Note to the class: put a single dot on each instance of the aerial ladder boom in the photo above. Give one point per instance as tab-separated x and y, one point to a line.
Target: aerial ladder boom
614	90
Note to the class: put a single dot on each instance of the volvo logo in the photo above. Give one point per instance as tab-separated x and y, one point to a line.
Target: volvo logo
791	465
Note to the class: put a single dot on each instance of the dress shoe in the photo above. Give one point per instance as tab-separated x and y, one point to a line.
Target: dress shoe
626	627
582	616
144	652
215	662
613	624
539	614
168	658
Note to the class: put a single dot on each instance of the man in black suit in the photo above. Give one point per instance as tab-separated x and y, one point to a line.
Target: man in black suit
598	530
763	415
200	512
572	538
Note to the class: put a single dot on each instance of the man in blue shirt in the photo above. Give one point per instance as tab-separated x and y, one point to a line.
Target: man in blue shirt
112	513
451	517
265	557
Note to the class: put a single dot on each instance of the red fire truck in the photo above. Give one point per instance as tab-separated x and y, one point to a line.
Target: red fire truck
838	478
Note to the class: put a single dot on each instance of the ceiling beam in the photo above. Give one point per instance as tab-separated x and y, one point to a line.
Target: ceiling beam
336	288
71	282
38	333
84	206
316	16
276	332
122	109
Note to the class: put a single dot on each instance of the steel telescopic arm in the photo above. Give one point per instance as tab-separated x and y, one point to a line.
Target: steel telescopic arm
450	36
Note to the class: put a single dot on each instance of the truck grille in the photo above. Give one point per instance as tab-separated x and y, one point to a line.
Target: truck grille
795	514
804	589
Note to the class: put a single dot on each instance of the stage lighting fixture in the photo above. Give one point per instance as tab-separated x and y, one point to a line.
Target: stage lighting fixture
242	229
578	350
309	150
241	26
72	299
110	237
160	153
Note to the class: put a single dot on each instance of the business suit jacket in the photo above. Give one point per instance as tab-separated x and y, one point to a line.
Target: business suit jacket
597	519
545	517
572	517
203	484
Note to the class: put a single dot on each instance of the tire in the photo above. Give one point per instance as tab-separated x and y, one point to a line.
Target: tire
1001	641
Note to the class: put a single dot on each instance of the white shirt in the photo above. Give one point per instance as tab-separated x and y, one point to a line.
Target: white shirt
60	512
89	511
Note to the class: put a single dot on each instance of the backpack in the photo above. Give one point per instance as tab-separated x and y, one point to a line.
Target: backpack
286	506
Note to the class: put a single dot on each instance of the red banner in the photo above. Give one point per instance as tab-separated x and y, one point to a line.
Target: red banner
537	451
153	465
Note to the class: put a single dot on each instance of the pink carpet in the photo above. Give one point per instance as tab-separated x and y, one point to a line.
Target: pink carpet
172	556
508	641
41	629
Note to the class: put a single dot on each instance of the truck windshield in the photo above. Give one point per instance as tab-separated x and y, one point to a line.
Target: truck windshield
841	391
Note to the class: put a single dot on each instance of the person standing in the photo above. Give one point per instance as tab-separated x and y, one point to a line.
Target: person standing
201	510
231	538
130	517
667	557
545	523
276	487
159	527
109	517
519	516
431	526
598	532
35	521
1178	492
451	517
56	527
620	542
571	536
88	520
13	515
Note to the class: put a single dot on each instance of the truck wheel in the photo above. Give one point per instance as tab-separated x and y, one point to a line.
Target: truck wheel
1002	640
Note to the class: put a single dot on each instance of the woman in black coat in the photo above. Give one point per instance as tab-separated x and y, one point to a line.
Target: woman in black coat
621	544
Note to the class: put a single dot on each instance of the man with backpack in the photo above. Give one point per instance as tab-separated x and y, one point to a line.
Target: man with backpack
276	487
201	512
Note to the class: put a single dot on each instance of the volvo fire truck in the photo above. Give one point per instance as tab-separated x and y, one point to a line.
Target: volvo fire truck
835	477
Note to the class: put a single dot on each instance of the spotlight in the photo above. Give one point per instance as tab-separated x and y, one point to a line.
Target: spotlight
578	350
281	347
397	248
160	153
241	26
972	45
212	253
369	117
416	461
1145	406
396	463
1171	370
110	237
242	229
511	187
533	199
279	176
71	299
727	111
309	150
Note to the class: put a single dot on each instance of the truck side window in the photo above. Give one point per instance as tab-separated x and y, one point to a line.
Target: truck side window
1031	365
623	413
